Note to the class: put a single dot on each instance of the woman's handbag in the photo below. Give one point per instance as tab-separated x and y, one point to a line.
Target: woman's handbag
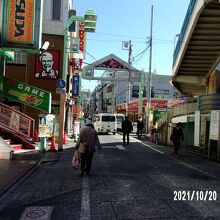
84	147
76	160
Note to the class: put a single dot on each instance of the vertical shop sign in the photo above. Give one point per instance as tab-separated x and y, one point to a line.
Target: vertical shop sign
21	25
214	125
82	37
197	129
21	21
75	90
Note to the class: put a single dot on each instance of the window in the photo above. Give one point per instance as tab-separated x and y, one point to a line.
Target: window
152	92
120	118
135	91
157	91
56	9
19	58
144	92
175	94
108	118
166	92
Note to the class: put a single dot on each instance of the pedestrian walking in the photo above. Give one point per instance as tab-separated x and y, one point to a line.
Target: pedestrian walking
88	139
140	127
126	129
176	136
156	136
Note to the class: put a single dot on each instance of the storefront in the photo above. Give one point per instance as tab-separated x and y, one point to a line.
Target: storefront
157	105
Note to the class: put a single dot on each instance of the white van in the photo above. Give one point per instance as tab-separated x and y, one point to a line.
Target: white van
120	118
105	123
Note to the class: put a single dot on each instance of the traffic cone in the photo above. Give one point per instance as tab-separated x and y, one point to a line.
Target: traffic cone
35	135
64	138
52	145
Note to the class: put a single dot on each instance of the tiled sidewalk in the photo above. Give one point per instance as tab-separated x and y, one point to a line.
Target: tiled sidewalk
12	170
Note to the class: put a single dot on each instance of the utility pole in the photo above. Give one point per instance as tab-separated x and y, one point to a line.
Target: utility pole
148	106
140	95
129	78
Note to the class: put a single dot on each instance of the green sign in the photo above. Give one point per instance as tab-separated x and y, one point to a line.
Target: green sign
27	95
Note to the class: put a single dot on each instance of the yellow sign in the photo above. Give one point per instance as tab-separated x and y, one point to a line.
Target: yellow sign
20	21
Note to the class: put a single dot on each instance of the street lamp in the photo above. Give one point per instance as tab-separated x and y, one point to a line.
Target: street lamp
90	25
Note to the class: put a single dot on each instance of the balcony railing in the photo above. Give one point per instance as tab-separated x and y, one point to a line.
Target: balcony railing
209	102
204	103
179	110
183	29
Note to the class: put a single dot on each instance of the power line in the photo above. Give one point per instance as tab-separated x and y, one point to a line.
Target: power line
142	51
111	40
91	55
158	41
118	35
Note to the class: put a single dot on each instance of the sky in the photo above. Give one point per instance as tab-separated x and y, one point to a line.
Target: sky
124	20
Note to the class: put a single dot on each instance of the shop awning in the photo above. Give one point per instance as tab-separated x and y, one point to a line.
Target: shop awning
7	54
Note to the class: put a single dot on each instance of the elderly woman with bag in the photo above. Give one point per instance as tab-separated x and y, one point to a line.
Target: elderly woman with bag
88	139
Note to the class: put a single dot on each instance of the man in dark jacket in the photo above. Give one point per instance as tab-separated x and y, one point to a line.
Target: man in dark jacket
126	129
175	137
140	127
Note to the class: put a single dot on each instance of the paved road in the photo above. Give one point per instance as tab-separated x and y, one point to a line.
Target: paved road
138	181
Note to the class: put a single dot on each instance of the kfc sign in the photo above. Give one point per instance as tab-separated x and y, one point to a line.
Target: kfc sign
77	63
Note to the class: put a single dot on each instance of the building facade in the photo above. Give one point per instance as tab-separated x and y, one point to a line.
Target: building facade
114	96
32	68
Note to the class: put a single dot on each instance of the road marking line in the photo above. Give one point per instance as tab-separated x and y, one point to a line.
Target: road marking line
120	147
153	148
168	179
196	169
85	202
110	146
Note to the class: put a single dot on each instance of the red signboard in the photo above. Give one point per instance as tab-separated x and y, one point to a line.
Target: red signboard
77	63
82	37
15	121
47	65
133	105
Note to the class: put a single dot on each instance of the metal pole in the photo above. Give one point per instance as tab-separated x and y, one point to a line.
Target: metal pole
148	106
2	74
140	96
63	95
129	83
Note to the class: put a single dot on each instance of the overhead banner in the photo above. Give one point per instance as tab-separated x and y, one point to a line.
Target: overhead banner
27	95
